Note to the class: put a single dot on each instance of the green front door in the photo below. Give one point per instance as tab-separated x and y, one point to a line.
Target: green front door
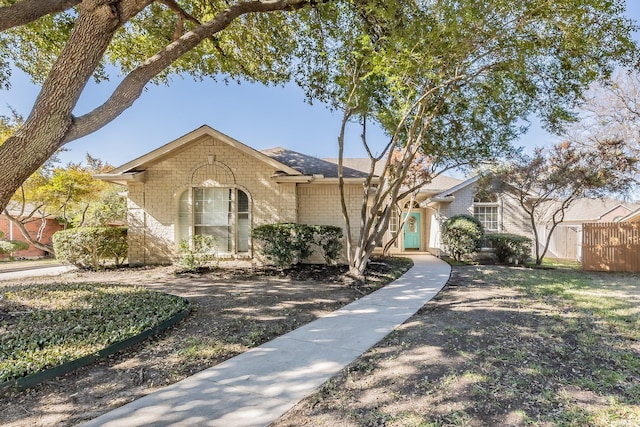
412	231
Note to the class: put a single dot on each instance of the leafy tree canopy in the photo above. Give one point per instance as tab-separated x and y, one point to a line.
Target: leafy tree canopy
522	57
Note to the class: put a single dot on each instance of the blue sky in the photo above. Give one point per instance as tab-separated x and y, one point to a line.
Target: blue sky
259	116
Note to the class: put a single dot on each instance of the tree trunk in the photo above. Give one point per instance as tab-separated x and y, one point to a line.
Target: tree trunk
44	131
51	123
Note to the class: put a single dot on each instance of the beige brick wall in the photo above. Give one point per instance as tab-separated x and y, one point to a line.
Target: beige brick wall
319	204
463	203
206	163
514	219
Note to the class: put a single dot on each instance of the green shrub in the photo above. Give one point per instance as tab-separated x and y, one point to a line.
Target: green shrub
284	244
462	235
11	246
6	247
510	247
329	239
197	252
91	247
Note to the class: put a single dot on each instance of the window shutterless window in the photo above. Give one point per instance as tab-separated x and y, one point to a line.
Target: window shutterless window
221	212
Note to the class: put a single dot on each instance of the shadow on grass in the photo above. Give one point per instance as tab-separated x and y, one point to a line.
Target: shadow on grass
497	348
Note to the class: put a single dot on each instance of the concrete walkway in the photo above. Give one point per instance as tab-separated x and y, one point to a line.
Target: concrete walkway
29	272
257	387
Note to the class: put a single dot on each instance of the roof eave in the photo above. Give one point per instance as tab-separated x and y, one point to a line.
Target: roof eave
122	178
143	161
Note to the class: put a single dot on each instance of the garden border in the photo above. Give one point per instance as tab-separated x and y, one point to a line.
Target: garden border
48	374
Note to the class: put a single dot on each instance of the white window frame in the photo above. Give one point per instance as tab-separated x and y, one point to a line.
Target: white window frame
481	218
186	212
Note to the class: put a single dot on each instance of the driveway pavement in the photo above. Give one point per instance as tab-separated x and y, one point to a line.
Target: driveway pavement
260	385
24	272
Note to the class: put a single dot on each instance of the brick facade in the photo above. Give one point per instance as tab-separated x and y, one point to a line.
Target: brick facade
281	186
11	232
206	163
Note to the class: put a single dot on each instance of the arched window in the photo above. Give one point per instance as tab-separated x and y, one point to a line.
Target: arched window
221	212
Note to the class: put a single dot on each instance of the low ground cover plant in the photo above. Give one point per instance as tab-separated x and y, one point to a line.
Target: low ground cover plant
42	326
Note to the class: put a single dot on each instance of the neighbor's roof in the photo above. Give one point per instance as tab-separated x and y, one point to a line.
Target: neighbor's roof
589	210
309	165
633	216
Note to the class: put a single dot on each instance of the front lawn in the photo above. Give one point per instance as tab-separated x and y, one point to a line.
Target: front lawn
42	326
499	346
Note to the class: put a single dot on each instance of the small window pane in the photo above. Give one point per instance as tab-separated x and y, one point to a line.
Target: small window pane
488	217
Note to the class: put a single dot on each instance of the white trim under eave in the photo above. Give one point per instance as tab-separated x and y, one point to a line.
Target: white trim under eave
192	136
463	184
122	178
446	199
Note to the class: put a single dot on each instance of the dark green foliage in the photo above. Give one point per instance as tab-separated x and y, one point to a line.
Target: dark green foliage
329	239
60	322
462	235
285	244
91	247
510	247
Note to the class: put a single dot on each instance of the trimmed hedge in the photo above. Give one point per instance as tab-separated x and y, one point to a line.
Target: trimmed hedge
329	239
510	247
462	235
91	247
285	244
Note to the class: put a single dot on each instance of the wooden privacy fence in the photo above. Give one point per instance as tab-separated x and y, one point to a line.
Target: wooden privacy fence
611	246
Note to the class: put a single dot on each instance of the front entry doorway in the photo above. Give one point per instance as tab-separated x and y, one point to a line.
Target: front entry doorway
412	231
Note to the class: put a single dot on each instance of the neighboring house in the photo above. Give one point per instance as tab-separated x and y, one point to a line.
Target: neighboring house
566	240
208	183
45	225
632	217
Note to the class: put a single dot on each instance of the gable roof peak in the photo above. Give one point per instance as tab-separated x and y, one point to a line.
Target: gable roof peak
144	161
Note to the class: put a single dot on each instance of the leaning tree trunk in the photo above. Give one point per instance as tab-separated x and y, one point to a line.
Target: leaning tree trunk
51	123
44	131
25	233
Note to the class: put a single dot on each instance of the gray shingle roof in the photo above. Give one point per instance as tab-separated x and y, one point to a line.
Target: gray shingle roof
310	165
439	184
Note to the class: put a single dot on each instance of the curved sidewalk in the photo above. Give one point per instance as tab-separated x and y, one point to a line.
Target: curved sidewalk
258	386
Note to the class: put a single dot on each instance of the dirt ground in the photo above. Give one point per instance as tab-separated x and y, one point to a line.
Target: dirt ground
479	355
482	353
233	310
